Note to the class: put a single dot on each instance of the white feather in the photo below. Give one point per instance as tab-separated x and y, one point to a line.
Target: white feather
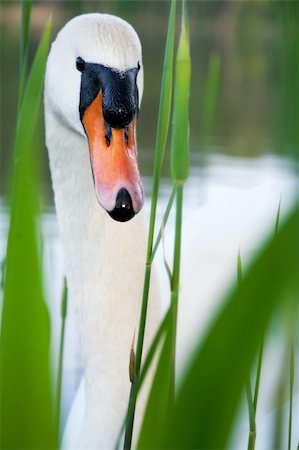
104	260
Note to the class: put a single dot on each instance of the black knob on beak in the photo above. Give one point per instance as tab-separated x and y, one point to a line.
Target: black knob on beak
123	210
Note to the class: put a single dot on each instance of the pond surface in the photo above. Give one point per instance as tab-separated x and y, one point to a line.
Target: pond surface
229	204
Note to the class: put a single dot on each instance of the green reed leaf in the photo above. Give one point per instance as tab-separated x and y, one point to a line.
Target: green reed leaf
161	398
27	419
24	43
211	390
162	132
180	132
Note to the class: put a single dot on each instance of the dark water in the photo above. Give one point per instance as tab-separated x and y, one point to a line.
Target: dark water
246	36
230	203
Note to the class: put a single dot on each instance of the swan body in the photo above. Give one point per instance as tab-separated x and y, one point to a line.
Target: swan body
104	259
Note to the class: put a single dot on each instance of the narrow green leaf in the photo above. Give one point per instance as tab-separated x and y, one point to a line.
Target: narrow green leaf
165	94
24	41
147	363
261	349
180	132
164	221
280	395
277	219
250	405
160	396
64	299
27	419
213	385
32	95
162	131
2	272
292	370
163	122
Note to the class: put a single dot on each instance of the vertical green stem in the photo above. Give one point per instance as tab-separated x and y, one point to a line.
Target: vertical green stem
176	272
164	221
258	375
261	351
60	357
145	367
130	422
2	272
279	413
292	364
142	321
24	39
162	132
250	403
251	411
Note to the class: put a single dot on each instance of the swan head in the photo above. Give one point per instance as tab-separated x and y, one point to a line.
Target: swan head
94	85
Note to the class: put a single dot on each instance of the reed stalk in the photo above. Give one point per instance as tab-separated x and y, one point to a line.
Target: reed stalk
25	383
145	367
180	154
175	281
164	221
63	311
161	402
292	369
24	44
250	403
162	132
161	139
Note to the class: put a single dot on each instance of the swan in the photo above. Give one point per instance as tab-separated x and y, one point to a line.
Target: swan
93	91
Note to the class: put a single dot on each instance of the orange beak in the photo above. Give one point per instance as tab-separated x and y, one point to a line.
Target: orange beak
114	165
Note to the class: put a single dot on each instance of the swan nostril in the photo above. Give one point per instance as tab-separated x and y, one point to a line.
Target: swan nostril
118	116
123	210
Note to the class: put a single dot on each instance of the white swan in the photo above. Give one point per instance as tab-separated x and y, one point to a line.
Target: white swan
104	260
93	89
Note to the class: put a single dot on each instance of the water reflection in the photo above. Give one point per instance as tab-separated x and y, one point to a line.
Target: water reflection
230	203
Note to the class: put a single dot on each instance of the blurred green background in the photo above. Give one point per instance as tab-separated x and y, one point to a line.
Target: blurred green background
247	35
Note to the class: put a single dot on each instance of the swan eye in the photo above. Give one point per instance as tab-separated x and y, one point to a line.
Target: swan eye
80	64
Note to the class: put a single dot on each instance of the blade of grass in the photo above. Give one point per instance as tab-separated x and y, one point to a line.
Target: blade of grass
180	154
164	221
258	374
250	406
3	263
27	419
162	132
252	429
292	368
204	414
280	395
261	349
24	41
161	398
64	298
145	367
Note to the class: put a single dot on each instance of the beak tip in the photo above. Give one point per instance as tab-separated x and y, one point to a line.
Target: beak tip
123	210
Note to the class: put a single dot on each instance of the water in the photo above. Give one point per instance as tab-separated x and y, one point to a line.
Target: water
229	203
